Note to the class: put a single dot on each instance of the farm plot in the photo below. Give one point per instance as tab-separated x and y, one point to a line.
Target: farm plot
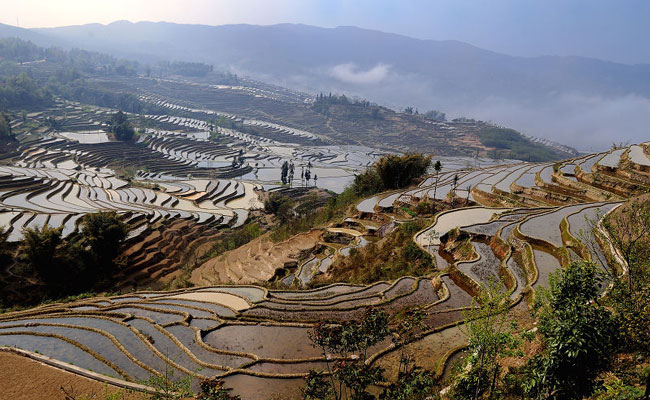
132	337
546	227
59	196
639	157
453	219
611	159
485	269
580	225
540	228
530	184
545	264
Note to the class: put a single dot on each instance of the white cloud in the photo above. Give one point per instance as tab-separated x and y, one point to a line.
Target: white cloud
350	73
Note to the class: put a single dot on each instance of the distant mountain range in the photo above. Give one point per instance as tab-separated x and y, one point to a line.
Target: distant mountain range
574	100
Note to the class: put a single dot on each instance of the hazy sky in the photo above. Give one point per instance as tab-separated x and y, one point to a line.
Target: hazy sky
616	30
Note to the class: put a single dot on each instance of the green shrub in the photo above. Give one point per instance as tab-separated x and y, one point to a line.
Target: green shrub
391	172
578	334
394	256
617	390
121	127
104	232
509	143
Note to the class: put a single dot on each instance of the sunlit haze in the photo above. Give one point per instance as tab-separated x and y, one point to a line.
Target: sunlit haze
610	30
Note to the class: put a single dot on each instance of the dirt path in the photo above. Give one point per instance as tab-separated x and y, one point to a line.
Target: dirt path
24	379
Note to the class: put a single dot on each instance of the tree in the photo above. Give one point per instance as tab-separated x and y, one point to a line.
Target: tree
124	132
398	171
454	185
436	167
412	382
121	127
21	91
435	115
317	387
5	127
415	384
169	388
577	334
491	337
351	375
79	262
628	228
44	252
281	206
284	172
104	232
629	231
367	183
70	393
391	172
5	253
212	389
40	247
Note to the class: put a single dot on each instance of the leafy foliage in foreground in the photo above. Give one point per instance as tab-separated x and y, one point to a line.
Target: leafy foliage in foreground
629	231
578	335
350	376
491	336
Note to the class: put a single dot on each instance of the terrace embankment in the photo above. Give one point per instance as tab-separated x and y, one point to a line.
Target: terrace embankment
254	338
244	334
257	261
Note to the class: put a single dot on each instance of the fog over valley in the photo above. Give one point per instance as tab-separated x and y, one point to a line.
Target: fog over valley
572	100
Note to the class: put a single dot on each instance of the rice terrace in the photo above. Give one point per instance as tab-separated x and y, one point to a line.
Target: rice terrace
174	230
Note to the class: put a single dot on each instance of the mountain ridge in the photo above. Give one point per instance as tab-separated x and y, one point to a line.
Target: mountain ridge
556	97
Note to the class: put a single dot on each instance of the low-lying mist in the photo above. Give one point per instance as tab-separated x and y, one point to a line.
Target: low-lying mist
588	123
585	122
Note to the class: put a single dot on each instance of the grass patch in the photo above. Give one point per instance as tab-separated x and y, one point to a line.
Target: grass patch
508	143
388	172
394	256
311	217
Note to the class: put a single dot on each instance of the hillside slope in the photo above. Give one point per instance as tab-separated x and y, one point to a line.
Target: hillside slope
575	100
